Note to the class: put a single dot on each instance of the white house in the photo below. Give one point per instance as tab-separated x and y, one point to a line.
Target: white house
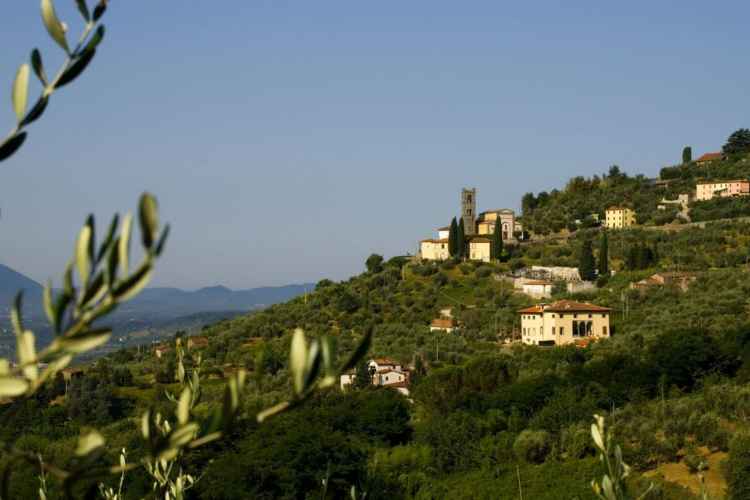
539	289
385	372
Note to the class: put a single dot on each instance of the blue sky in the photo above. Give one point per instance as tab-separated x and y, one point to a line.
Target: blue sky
288	140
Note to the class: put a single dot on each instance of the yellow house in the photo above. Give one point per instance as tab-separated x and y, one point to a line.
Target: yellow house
563	322
479	249
434	249
619	217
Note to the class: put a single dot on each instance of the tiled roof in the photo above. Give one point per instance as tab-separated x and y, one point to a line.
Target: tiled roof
564	306
385	361
710	157
444	240
442	323
537	282
480	240
446	228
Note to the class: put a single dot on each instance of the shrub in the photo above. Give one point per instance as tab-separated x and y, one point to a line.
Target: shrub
532	446
483	272
738	479
466	268
440	279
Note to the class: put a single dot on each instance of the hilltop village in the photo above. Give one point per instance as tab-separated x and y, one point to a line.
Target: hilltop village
494	235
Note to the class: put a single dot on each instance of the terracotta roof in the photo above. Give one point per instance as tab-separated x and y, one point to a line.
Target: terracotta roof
480	240
444	240
446	228
618	208
537	282
564	306
442	323
538	309
710	157
385	361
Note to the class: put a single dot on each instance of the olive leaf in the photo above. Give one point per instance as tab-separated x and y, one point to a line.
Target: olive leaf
53	24
21	91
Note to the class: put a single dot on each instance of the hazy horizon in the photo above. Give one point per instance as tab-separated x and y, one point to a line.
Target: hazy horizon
287	142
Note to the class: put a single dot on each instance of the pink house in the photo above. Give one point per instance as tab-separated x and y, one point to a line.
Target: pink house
724	189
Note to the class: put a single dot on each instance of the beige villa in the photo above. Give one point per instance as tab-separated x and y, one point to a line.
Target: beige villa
619	217
563	322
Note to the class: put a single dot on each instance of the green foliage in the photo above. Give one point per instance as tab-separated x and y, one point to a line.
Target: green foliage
496	247
363	376
687	155
453	241
586	262
461	244
738	143
738	480
374	263
603	260
532	446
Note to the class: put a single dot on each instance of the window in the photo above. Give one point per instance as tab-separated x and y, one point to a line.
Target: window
589	316
562	330
553	331
604	331
575	315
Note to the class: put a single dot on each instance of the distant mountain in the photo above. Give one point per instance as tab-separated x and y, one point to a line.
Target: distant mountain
174	302
10	283
156	304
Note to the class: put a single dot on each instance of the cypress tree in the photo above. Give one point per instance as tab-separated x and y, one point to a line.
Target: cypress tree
461	240
363	376
453	238
687	155
586	262
604	255
496	247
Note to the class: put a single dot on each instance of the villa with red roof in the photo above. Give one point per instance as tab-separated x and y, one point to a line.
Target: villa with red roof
564	322
708	158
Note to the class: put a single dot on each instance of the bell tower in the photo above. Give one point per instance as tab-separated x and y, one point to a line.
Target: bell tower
469	209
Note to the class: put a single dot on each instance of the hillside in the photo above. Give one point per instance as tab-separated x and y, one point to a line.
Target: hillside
554	211
482	412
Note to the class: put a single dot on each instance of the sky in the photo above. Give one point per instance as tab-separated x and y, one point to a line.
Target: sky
288	140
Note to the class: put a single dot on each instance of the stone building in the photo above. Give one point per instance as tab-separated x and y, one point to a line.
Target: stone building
469	210
507	218
480	249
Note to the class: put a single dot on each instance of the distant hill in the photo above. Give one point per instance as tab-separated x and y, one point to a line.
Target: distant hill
10	283
174	302
154	305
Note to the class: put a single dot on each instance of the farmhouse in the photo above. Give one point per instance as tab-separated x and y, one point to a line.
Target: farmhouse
197	342
442	325
385	372
619	217
434	249
563	322
479	249
708	158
